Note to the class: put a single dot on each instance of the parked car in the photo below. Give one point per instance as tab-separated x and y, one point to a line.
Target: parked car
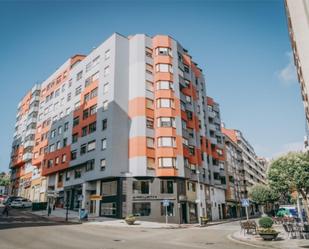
10	199
21	202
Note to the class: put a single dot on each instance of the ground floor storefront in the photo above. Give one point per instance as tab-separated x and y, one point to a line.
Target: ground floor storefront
149	198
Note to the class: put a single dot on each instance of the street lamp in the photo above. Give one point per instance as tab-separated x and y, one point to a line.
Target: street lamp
200	197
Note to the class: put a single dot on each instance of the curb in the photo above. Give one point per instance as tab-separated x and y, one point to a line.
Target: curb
244	242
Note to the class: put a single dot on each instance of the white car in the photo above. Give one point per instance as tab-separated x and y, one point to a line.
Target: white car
21	202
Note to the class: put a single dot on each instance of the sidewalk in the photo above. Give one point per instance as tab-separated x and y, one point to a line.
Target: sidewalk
58	214
282	242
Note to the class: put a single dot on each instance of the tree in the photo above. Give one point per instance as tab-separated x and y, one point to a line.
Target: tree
4	179
262	195
290	173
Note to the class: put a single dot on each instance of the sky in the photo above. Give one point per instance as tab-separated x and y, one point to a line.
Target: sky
243	48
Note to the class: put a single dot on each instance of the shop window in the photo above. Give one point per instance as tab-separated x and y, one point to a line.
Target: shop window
141	187
109	188
169	210
141	208
109	209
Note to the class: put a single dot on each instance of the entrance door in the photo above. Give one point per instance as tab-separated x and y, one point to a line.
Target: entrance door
92	206
184	213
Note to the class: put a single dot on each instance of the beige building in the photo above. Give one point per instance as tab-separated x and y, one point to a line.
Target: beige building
297	12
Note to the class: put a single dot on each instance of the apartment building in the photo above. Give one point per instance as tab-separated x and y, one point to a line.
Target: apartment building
244	169
297	12
122	129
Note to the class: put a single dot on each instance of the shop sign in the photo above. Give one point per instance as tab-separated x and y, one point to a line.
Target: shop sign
96	197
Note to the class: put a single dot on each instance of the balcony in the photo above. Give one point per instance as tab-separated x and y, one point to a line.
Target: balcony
30	131
31	120
211	114
27	156
29	143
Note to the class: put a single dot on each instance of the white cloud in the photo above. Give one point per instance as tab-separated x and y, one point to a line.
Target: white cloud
287	75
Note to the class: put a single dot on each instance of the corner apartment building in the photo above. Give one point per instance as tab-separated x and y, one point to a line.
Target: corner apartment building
122	129
244	169
297	12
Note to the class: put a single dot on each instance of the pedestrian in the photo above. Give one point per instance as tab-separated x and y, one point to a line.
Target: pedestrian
6	210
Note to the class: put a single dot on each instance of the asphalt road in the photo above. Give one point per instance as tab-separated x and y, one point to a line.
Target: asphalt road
35	233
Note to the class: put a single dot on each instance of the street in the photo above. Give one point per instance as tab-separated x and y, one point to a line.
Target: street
27	231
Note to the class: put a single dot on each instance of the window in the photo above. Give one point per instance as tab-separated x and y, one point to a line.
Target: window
66	126
149	86
86	97
88	66
104	124
166	142
64	142
59	130
191	186
83	149
53	133
78	90
169	210
93	93
93	109
103	144
105	88
163	51
148	52
189	115
85	113
103	164
64	158
75	121
58	146
149	103
141	208
96	61
57	160
149	123
167	162
185	141
84	131
77	173
105	105
79	75
141	187
150	163
167	187
50	163
67	175
149	68
69	97
150	142
74	138
164	68
165	103
188	99
165	85
91	146
92	127
106	71
109	188
51	148
166	122
90	165
73	154
107	54
108	209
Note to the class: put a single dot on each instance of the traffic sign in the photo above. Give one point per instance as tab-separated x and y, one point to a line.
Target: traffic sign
166	203
245	203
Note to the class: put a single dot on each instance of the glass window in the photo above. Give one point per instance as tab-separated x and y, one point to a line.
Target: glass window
107	54
149	123
109	209
78	90
165	85
109	188
167	162
77	173
104	124
150	142
165	103
105	105
140	187
106	71
149	103
149	86
73	154
103	164
150	163
166	142
91	146
167	187
164	68
103	144
169	210
105	88
141	208
92	127
163	51
93	109
90	165
83	149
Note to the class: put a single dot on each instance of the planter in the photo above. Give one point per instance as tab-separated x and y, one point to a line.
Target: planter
204	221
130	220
269	236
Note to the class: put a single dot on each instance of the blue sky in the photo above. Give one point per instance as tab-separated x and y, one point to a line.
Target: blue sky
242	46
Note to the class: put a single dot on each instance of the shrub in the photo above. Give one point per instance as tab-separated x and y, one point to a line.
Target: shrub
266	222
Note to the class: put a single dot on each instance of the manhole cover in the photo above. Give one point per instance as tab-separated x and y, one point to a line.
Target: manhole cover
118	240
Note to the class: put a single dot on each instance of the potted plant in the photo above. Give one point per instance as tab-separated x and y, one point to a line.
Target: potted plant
265	230
204	220
130	219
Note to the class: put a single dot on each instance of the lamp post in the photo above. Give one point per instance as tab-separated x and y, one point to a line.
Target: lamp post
200	199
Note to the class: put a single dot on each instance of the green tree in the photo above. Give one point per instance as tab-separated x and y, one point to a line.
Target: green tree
4	179
290	173
262	195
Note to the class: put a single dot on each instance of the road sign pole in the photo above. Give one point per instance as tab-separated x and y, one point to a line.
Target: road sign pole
247	214
166	221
